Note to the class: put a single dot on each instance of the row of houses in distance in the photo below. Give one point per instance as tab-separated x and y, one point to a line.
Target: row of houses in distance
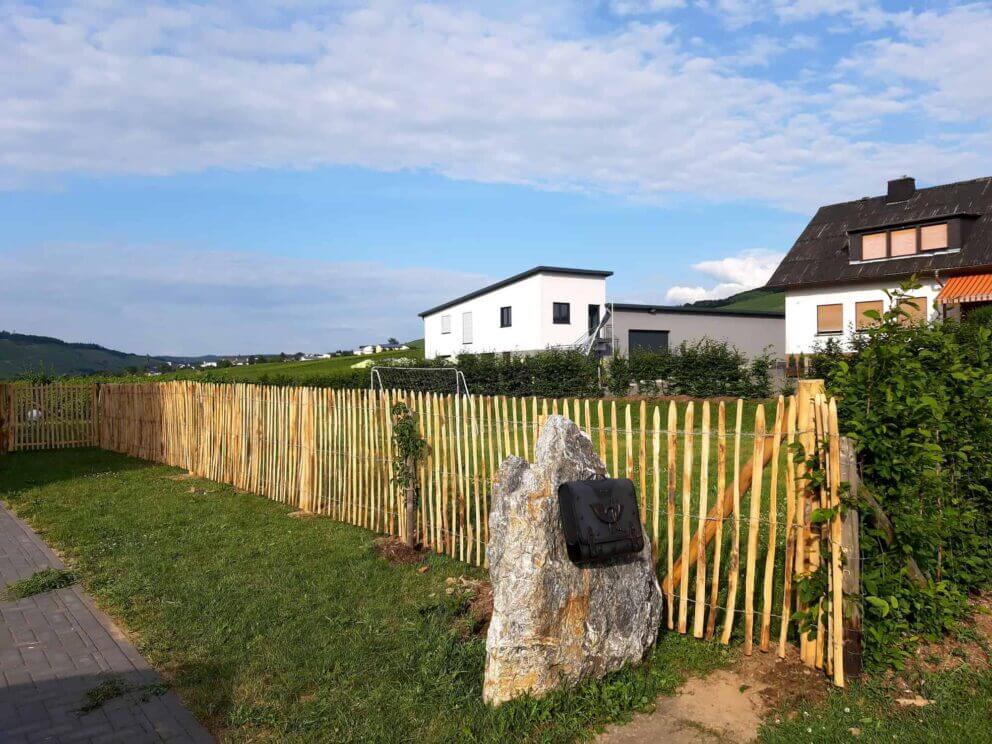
844	264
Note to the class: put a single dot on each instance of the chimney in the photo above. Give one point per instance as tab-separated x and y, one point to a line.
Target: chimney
901	189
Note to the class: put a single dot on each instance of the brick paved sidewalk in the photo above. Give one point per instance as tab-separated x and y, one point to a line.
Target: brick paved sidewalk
56	647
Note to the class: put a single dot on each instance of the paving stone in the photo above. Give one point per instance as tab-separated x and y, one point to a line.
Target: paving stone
56	647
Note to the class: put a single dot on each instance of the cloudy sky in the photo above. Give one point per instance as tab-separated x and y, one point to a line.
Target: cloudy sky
228	177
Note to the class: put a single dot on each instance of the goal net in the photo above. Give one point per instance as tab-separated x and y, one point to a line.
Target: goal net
445	380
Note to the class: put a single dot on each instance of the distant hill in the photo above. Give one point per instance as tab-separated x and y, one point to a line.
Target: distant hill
22	353
754	300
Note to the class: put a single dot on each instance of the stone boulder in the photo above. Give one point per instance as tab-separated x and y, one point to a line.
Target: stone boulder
555	623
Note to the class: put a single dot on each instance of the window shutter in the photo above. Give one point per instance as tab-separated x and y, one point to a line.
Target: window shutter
829	318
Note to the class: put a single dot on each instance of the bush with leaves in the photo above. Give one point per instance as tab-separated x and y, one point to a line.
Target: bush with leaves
917	401
702	369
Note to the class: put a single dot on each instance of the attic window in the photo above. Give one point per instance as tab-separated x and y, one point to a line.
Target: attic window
874	246
902	242
933	237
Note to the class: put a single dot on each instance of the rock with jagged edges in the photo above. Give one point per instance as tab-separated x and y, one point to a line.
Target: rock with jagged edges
555	623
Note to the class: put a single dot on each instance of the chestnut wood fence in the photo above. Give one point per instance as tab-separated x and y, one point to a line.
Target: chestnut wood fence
736	518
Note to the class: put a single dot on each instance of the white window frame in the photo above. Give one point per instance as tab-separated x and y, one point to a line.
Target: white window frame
445	324
467	327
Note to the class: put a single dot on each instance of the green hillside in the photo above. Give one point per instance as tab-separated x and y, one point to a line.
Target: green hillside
753	300
298	371
25	354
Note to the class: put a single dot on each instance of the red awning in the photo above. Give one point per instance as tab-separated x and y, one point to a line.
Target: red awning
972	288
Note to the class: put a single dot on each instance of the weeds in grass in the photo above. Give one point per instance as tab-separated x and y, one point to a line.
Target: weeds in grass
113	688
110	689
43	581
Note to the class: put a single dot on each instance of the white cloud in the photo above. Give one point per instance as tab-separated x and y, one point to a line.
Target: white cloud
644	7
738	273
945	52
168	300
127	88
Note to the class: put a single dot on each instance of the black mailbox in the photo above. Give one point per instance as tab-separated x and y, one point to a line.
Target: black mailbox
600	519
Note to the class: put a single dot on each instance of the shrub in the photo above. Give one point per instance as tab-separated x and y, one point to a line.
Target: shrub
619	375
703	369
980	316
917	401
553	373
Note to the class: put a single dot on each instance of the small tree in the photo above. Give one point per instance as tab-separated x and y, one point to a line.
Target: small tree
409	449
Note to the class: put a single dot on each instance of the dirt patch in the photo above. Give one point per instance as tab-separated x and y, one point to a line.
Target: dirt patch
398	553
474	598
300	514
722	707
786	683
180	476
728	705
971	645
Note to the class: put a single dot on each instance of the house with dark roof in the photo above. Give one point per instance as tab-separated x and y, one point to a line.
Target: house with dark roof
558	307
851	254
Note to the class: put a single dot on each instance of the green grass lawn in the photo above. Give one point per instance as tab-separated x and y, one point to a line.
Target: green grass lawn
280	629
274	628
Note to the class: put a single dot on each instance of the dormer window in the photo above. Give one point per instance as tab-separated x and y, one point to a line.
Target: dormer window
934	237
900	242
874	246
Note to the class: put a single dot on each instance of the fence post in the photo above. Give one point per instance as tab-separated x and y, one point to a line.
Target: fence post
95	416
4	418
807	545
850	544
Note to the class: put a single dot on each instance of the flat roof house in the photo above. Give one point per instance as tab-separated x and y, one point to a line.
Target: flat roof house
558	307
530	311
851	253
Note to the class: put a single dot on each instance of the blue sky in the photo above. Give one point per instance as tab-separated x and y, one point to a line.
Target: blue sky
179	178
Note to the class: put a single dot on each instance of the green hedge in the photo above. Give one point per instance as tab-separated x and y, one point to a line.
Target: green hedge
703	369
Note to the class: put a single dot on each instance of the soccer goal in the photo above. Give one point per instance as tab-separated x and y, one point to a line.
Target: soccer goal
446	380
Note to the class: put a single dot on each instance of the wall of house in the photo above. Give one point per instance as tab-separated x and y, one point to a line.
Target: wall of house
532	328
800	310
753	335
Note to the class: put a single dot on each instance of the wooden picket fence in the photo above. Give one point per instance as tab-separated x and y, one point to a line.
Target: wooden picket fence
34	417
728	506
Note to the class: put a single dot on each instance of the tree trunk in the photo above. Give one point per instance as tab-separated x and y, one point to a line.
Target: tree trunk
411	503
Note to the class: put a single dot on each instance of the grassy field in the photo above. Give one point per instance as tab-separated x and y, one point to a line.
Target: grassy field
279	629
290	371
304	370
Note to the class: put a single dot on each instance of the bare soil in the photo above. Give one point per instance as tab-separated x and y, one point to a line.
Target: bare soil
728	705
398	553
476	598
971	646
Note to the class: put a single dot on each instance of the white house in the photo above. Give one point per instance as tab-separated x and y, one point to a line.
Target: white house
851	254
368	349
552	306
544	306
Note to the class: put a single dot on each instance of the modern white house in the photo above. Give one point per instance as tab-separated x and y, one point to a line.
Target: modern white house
547	306
851	254
557	307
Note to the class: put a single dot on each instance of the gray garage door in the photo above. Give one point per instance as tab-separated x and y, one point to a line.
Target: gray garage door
647	340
